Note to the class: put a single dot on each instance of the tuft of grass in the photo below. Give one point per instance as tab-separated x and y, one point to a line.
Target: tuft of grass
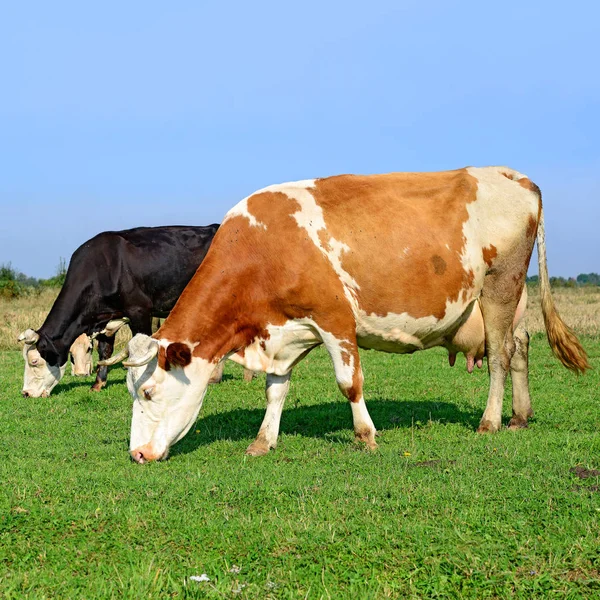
436	512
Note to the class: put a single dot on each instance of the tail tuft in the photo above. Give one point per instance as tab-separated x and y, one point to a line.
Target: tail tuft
564	343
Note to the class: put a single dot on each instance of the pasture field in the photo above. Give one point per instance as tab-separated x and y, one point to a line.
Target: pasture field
436	512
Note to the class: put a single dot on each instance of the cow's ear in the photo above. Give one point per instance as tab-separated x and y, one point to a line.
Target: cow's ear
179	354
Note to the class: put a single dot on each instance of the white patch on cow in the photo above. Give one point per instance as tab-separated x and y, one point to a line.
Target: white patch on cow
360	416
279	352
401	333
487	225
166	404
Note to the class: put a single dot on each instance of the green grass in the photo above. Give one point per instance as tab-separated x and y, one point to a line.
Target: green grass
437	512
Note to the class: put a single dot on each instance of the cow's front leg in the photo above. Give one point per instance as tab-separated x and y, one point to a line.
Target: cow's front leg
276	391
519	372
349	376
106	345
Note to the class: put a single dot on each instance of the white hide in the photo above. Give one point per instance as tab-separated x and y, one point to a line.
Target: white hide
39	378
165	404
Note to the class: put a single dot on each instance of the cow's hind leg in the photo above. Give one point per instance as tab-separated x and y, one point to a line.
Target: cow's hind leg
499	299
106	346
519	372
349	376
276	391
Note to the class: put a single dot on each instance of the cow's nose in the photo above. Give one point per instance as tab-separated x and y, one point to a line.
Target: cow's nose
138	456
25	394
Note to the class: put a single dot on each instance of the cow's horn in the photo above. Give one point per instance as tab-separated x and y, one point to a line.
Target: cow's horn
111	327
113	360
144	360
29	336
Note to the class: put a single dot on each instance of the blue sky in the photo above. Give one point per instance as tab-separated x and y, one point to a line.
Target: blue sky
120	114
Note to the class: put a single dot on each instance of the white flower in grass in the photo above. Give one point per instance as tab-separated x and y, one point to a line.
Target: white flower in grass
200	578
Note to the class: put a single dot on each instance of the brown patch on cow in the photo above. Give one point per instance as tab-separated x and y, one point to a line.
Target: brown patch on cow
439	264
508	175
532	226
584	473
529	185
352	393
489	254
162	361
385	216
263	345
178	354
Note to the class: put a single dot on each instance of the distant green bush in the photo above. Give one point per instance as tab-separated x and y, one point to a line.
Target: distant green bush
589	279
59	279
12	283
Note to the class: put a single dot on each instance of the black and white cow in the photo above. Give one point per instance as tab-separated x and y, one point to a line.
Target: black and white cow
117	277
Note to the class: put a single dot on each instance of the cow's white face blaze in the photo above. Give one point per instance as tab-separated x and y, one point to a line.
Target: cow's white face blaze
40	378
166	403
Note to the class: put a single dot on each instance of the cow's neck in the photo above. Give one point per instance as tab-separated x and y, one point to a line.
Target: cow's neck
65	322
216	318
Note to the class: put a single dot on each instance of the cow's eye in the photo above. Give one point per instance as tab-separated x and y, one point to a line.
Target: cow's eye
34	362
148	393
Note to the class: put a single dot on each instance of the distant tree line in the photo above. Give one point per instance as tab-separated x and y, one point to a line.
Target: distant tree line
583	279
14	284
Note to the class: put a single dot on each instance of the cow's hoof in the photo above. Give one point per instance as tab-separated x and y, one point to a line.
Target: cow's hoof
366	437
487	427
215	380
517	423
258	448
248	375
98	386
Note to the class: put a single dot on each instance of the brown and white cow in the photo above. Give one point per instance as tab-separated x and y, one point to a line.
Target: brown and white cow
393	262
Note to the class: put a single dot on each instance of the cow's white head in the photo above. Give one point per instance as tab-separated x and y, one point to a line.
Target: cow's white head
168	385
81	356
40	377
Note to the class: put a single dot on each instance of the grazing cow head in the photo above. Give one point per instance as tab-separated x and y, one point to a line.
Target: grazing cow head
168	385
81	356
40	377
42	374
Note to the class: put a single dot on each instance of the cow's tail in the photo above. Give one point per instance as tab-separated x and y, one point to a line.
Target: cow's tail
562	340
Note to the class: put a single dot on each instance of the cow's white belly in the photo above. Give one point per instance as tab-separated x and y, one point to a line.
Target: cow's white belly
401	333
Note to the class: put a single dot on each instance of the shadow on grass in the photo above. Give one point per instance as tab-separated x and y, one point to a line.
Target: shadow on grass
320	421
